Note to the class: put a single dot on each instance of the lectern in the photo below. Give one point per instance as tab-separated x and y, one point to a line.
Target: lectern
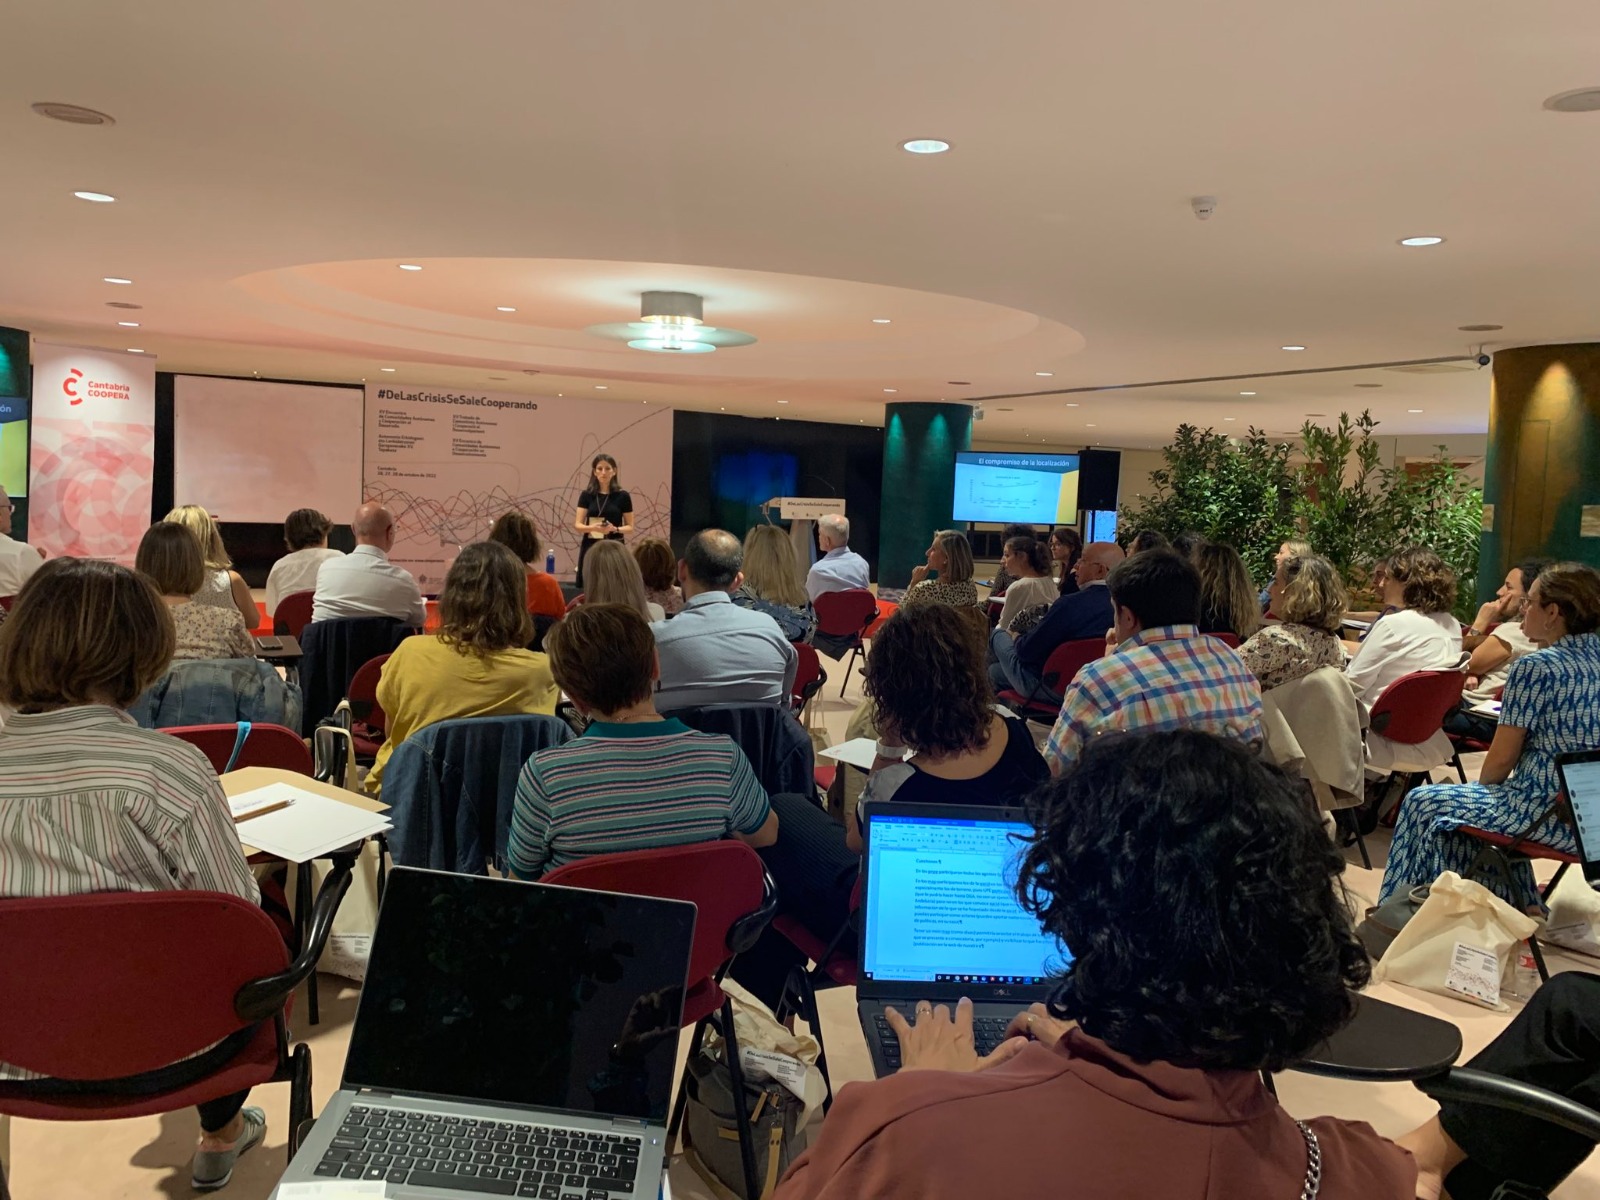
802	512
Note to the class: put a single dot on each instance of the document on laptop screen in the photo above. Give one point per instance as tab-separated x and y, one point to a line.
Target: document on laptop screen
941	905
1583	792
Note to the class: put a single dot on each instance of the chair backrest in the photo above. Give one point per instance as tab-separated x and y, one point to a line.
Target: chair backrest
333	652
1413	708
451	787
846	613
575	601
808	675
109	984
293	614
779	749
1066	660
7	601
1227	639
267	746
363	694
724	880
217	691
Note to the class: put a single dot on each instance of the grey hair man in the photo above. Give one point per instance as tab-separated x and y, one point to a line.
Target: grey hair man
364	583
18	560
840	568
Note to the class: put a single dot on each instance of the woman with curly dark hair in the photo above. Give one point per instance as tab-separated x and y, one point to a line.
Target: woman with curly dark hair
1209	938
476	665
928	678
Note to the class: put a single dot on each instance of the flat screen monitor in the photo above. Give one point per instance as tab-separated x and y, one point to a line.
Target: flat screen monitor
1032	489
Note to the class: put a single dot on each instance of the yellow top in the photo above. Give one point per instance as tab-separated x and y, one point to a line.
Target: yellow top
428	680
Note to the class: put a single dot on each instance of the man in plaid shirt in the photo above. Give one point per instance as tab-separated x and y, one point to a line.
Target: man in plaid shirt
1164	674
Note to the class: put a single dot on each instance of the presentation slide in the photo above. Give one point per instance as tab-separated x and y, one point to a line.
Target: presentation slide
942	908
250	451
1035	489
14	445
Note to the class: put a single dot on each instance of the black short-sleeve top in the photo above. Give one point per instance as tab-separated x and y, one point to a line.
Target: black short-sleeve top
613	506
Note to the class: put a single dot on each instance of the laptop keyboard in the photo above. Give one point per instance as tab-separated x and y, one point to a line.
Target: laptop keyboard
987	1032
495	1158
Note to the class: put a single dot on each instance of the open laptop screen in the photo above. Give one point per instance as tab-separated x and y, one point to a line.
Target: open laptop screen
940	904
519	993
1580	775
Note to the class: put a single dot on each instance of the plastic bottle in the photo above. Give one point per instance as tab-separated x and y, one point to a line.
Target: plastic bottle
1522	974
550	562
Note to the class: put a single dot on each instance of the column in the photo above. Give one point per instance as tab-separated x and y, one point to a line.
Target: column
920	442
1542	476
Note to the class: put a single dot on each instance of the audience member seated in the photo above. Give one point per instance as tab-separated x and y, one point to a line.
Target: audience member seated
611	576
927	681
840	568
1379	575
18	560
1148	539
1308	597
1228	600
170	558
223	586
1293	548
635	780
305	532
1496	640
517	533
1029	566
659	566
1066	548
1189	543
475	666
772	583
1551	706
364	583
89	802
1085	613
1417	633
1004	576
1161	671
949	558
1142	1078
714	652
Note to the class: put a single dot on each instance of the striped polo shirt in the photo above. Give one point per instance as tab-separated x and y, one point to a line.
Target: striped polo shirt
631	787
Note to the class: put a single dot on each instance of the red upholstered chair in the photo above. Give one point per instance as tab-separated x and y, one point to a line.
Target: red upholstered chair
1227	639
1500	853
292	615
575	601
833	964
7	601
368	720
106	991
1060	669
808	677
267	746
845	616
735	899
1410	711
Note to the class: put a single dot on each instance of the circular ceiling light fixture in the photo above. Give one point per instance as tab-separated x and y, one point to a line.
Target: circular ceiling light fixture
672	323
1072	404
410	267
602	387
1424	240
504	308
1291	347
96	197
1045	374
1247	393
122	304
1369	385
117	279
1579	100
131	350
891	389
129	324
925	146
1480	328
959	382
882	320
389	370
72	114
1413	410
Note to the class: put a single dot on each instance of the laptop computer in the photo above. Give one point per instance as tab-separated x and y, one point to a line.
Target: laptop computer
512	1039
940	920
1580	783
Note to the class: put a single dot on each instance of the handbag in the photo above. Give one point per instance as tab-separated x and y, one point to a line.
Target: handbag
1457	944
1383	923
710	1130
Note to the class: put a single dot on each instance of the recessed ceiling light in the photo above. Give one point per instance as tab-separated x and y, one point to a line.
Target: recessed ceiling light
116	279
72	114
783	402
891	389
498	378
1369	385
1230	418
1006	410
504	308
959	382
530	370
925	146
1575	101
132	350
1087	425
1045	374
1247	393
388	369
1413	410
95	197
602	387
1072	404
1479	328
410	267
1291	347
1426	240
882	320
122	304
129	324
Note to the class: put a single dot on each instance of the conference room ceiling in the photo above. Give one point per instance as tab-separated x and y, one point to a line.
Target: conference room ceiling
273	166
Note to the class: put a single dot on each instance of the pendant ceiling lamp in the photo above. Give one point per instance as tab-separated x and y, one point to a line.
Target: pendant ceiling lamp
672	323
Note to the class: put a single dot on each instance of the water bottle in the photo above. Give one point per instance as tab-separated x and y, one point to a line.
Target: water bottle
1522	975
550	562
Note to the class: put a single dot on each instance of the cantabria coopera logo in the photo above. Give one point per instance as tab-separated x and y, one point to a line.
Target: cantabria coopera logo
69	385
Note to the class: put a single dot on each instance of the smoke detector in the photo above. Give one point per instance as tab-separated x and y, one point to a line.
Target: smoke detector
72	114
1576	101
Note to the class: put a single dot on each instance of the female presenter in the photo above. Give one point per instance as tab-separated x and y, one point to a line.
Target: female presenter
605	511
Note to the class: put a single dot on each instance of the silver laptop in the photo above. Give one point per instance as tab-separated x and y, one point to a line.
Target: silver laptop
512	1039
940	920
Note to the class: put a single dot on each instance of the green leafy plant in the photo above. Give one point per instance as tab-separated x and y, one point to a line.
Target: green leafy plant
1339	497
1438	507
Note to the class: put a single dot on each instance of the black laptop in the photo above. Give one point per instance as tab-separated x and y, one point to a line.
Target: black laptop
940	920
1580	783
513	1039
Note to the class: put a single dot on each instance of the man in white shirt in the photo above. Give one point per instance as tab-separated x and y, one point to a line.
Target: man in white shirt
840	568
364	583
305	533
18	560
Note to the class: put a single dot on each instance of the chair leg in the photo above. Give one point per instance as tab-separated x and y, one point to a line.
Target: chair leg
299	1094
849	669
1347	817
1455	761
741	1112
383	864
1538	958
302	928
682	1097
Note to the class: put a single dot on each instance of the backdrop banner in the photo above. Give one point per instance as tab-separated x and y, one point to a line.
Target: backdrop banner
93	454
449	462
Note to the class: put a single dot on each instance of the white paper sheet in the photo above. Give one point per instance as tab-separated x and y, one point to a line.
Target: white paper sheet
310	827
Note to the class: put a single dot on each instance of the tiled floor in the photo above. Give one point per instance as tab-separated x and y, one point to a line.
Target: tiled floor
149	1158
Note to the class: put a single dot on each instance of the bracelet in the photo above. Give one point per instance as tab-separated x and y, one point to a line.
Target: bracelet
894	752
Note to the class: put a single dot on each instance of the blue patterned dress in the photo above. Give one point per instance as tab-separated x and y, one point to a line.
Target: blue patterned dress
1554	694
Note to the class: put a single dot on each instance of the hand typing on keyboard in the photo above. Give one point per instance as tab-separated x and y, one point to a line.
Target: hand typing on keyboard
940	1041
